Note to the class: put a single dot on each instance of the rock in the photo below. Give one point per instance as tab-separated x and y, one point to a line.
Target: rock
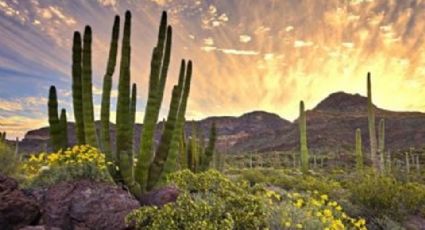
16	209
86	205
160	197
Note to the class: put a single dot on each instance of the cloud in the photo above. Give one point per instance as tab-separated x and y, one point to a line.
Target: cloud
301	43
230	51
244	38
208	41
212	18
111	3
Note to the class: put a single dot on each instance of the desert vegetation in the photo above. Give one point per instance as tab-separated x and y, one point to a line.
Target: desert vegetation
183	181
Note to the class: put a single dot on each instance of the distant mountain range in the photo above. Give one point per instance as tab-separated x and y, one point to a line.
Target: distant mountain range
331	125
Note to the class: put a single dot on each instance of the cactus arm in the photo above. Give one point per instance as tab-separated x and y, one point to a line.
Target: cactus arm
77	96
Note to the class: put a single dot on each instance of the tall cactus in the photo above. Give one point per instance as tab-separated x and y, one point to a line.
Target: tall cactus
123	119
359	152
54	125
106	93
63	129
157	79
133	109
303	139
77	94
371	123
209	151
88	114
185	77
381	145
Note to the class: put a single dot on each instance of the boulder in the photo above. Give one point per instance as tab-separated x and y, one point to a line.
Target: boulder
160	196
16	208
86	204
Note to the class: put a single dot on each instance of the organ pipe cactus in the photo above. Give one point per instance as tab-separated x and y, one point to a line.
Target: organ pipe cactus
123	120
54	125
209	151
158	74
88	114
359	152
106	93
303	139
77	94
133	112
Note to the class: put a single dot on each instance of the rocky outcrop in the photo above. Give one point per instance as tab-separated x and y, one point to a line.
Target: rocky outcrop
16	209
86	205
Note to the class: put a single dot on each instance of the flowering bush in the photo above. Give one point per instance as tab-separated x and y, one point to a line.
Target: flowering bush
78	162
207	200
310	210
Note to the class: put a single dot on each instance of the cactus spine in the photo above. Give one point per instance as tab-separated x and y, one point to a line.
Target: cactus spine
63	129
77	94
88	115
106	93
54	124
371	124
303	138
359	152
159	68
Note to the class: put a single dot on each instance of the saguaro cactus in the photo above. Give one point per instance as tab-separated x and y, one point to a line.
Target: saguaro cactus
158	75
106	92
88	114
77	94
63	129
359	152
303	138
371	123
54	125
382	145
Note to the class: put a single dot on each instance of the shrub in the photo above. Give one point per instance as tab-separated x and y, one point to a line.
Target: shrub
383	195
9	162
207	200
310	210
78	162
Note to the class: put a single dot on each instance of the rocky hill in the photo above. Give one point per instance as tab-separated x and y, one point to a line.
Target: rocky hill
330	125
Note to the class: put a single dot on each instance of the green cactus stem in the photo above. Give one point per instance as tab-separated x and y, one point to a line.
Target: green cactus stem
63	129
106	93
371	124
54	125
303	139
77	94
88	114
359	151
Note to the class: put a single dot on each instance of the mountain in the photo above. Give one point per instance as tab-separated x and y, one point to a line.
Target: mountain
330	126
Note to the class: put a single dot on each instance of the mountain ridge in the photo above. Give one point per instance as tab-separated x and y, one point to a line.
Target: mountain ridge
330	124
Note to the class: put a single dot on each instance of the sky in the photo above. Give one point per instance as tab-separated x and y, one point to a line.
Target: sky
247	54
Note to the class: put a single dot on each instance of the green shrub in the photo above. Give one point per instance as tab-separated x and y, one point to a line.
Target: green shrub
78	162
207	200
383	195
9	162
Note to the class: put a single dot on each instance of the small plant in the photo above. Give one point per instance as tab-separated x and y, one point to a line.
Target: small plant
9	161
